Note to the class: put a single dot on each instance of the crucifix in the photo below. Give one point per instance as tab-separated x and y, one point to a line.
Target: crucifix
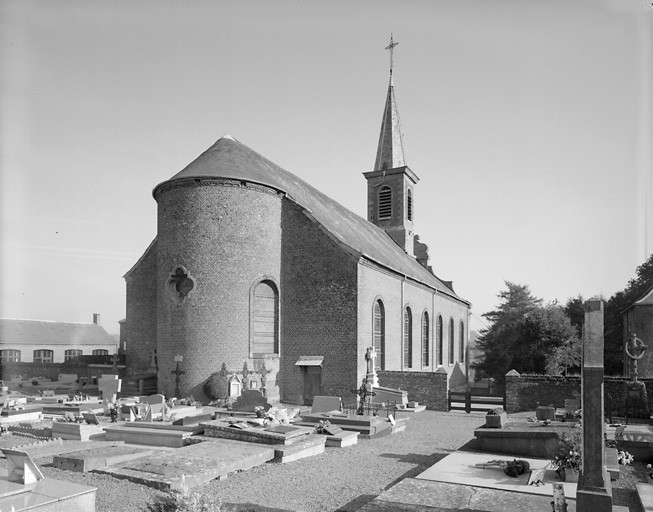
390	48
177	372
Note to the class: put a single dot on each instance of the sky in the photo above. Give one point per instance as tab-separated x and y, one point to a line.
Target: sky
529	124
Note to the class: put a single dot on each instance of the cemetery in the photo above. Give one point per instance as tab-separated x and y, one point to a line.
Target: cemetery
510	461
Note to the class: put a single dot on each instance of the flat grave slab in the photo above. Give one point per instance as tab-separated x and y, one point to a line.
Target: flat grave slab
342	439
307	446
460	468
368	426
522	438
77	431
415	495
163	425
88	460
47	495
148	436
282	434
645	493
192	465
73	407
193	420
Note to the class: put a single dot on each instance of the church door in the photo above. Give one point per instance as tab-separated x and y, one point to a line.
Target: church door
312	383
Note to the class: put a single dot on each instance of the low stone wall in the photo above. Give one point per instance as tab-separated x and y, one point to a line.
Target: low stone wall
524	392
427	388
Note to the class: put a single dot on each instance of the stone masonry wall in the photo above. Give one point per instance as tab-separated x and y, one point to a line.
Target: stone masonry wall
430	389
523	392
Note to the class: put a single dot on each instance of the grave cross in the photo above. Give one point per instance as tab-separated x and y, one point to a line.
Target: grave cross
177	373
635	349
364	391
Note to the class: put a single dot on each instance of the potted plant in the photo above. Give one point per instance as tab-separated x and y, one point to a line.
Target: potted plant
496	418
567	461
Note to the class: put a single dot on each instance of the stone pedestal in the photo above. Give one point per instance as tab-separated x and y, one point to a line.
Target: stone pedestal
594	493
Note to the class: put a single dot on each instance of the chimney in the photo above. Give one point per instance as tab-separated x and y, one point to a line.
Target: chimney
96	318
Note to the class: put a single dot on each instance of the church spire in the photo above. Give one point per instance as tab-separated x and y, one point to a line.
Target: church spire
390	152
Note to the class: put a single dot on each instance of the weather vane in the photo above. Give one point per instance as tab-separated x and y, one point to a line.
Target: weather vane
391	48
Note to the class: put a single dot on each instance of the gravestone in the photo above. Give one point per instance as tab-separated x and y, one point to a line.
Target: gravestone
153	399
21	467
109	385
90	418
249	399
594	493
326	404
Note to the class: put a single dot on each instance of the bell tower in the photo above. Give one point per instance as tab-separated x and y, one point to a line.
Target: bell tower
390	186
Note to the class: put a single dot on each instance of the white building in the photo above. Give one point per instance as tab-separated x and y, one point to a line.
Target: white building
40	341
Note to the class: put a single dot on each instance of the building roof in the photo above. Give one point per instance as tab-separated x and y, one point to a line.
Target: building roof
43	333
645	300
390	152
231	159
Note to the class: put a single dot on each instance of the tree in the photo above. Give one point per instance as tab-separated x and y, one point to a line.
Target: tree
527	337
620	301
499	340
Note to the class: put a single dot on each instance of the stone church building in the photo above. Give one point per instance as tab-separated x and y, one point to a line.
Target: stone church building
257	275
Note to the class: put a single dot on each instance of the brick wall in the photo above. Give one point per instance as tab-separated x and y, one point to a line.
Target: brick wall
52	370
318	306
140	321
427	388
227	236
523	392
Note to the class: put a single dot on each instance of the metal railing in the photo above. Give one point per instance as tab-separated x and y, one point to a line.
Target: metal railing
466	401
370	409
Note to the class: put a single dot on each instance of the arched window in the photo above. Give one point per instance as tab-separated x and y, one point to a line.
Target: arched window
9	356
462	341
71	354
408	338
451	340
264	318
425	339
409	204
43	356
378	334
439	334
100	352
385	203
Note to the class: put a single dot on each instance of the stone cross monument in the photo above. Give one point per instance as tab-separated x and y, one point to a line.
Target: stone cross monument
594	493
372	377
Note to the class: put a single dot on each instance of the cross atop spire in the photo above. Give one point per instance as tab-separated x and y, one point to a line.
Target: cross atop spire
390	47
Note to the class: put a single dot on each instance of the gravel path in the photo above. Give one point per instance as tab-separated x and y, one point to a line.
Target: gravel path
341	479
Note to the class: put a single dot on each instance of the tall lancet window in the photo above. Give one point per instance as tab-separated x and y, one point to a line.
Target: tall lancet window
378	334
409	203
385	203
452	332
408	338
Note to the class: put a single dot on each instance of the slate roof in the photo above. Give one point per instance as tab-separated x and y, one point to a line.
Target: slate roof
390	152
44	333
231	159
646	300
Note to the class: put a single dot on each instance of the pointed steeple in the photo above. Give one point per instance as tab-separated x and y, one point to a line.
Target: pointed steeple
390	199
390	152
